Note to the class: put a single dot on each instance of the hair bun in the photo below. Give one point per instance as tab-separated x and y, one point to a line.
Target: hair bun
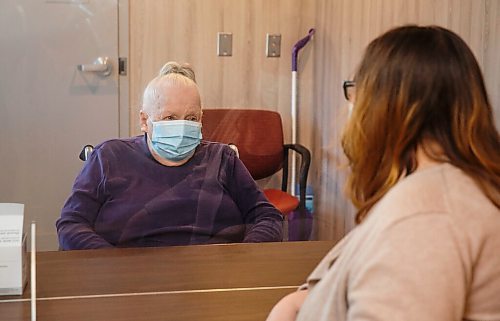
173	67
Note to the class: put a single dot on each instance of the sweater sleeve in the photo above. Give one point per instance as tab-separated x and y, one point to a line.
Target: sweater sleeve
75	227
416	270
264	222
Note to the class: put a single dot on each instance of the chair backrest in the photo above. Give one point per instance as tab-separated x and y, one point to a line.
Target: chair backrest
258	134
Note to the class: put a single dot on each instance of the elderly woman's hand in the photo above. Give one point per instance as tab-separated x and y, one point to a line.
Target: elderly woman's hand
288	307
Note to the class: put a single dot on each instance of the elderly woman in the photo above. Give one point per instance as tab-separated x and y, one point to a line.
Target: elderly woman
166	187
424	155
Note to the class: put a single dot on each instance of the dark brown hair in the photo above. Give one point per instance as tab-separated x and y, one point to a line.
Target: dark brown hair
415	85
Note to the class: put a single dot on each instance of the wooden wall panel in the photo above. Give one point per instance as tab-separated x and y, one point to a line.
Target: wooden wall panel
345	27
186	31
491	54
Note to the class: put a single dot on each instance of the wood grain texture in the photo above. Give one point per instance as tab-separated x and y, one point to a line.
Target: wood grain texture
177	268
185	30
252	305
491	54
344	29
204	282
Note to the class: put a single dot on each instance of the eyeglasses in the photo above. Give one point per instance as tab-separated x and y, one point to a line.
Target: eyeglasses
349	87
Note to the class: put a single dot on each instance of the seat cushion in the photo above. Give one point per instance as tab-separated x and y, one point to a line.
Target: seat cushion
284	202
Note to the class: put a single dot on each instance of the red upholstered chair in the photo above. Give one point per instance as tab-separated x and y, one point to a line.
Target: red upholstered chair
258	135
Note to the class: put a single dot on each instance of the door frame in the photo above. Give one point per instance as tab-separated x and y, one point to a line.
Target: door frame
123	80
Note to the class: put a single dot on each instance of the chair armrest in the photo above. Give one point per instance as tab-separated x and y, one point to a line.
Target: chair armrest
235	148
305	163
85	153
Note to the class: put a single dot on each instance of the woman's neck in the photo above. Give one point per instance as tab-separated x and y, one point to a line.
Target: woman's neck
429	154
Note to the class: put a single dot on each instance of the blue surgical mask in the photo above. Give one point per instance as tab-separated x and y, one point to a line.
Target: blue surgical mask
175	140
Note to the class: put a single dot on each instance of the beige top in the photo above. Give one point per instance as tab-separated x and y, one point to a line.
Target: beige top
429	250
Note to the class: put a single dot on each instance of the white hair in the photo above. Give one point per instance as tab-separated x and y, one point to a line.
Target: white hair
171	74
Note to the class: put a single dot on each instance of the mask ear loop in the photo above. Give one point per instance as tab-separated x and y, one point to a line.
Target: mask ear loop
145	120
149	122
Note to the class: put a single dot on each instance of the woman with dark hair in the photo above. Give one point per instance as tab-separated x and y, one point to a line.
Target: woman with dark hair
424	156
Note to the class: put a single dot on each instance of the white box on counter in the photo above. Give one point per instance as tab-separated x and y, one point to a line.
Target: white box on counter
12	249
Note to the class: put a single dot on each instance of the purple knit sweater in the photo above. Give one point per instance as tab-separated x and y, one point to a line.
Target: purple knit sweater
125	198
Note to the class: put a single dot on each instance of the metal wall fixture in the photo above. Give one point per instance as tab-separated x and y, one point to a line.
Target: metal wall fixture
273	45
122	66
224	44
